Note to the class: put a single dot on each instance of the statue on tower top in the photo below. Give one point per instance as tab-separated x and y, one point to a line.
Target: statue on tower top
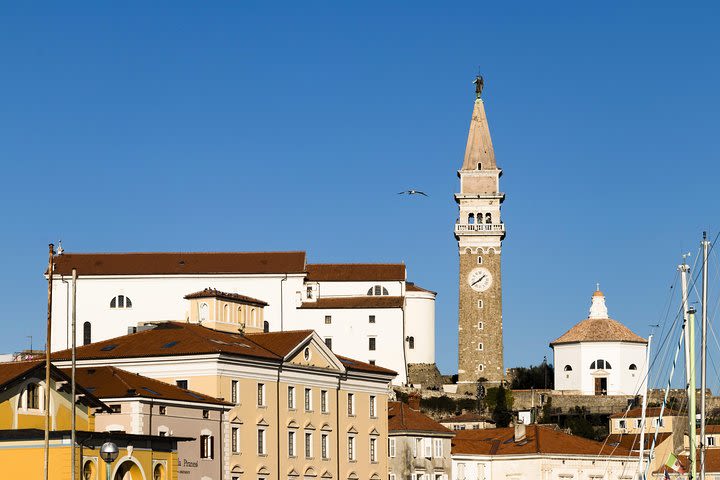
479	83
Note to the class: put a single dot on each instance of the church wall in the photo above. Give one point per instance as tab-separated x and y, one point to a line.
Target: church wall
420	324
343	289
563	355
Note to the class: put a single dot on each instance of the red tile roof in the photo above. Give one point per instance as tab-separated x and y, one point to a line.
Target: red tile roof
111	382
411	287
632	441
599	330
538	440
212	293
178	263
181	338
10	371
402	418
467	417
367	301
355	272
649	412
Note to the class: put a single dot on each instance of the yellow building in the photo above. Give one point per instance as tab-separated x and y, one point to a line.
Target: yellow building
300	411
22	420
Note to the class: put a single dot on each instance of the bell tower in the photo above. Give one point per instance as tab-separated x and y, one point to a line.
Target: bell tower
479	231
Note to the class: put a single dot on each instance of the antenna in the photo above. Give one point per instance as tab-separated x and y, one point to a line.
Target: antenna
60	248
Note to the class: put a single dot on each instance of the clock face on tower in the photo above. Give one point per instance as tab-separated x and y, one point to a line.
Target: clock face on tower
480	279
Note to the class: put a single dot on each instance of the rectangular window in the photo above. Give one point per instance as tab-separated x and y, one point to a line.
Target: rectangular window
115	408
308	400
261	394
373	450
206	414
438	448
659	422
308	445
291	398
621	424
235	392
328	342
371	343
638	423
373	406
371	362
391	447
328	319
206	446
371	319
710	441
480	304
182	384
325	446
309	292
324	401
261	441
351	448
428	447
351	404
417	447
235	437
162	409
291	444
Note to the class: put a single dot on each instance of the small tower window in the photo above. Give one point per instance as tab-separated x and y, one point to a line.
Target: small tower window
633	366
203	312
266	326
471	219
479	260
481	325
411	343
488	218
480	346
479	166
121	301
568	368
480	304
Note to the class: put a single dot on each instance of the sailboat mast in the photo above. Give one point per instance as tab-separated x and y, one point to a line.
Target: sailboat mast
703	354
644	406
689	328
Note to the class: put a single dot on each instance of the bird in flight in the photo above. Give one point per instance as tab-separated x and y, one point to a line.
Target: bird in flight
413	192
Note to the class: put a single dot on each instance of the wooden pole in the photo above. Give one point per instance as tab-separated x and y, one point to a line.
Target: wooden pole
72	375
47	363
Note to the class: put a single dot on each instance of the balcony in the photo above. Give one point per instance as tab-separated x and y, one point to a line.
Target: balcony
480	229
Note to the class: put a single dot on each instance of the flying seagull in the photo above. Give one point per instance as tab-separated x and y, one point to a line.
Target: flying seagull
413	192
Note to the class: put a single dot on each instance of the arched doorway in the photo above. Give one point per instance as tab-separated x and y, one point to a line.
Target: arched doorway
128	470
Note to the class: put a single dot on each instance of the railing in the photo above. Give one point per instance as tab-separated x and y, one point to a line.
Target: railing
480	227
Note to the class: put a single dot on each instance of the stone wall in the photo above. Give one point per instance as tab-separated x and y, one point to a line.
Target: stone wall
425	374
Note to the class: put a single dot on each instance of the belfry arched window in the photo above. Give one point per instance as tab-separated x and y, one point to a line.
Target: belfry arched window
488	218
378	290
471	219
203	312
266	326
121	301
600	365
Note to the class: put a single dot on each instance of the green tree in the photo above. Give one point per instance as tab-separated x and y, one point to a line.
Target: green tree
534	376
501	415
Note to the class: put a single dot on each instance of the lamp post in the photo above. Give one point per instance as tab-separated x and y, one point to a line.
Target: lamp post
108	452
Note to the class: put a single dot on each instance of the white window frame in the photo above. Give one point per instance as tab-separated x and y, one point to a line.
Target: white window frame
324	401
373	406
351	404
438	447
235	391
235	440
351	448
373	450
261	401
325	446
391	447
308	400
292	444
291	397
262	441
427	445
308	444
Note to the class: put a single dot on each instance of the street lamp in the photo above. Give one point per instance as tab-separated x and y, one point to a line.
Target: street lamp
108	452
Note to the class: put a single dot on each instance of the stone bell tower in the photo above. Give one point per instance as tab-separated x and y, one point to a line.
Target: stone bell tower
479	232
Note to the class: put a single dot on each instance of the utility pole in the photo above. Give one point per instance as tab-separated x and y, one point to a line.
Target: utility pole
703	354
692	416
47	363
72	377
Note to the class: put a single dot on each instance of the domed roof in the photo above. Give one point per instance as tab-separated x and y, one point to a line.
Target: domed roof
599	330
599	327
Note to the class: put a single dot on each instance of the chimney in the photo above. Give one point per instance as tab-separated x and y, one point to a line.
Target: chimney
519	434
414	401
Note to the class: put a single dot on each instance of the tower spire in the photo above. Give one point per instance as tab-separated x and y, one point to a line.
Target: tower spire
479	153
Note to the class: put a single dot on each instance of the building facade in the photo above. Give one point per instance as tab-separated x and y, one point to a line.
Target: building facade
479	232
600	356
418	446
364	311
299	410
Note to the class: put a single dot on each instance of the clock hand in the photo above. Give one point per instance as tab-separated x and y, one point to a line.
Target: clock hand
476	281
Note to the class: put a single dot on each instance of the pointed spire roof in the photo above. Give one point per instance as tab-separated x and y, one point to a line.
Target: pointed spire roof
479	148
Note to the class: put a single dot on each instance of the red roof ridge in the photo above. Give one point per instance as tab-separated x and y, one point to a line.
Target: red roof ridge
181	252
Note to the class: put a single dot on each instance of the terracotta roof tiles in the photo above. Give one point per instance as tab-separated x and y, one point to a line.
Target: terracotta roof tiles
649	412
411	287
402	418
367	301
599	330
212	293
178	263
355	272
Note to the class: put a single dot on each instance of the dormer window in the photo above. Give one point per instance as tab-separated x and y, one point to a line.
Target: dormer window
121	301
378	290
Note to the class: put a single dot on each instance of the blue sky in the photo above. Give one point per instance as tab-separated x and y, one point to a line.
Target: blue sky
256	126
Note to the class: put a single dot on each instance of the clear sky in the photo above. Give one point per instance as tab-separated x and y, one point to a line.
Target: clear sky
258	126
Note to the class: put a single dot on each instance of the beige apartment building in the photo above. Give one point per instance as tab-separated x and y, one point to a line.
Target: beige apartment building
299	411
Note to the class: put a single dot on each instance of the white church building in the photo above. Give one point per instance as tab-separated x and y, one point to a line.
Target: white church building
600	356
365	311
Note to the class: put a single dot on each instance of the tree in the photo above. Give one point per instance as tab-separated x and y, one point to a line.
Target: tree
501	415
534	376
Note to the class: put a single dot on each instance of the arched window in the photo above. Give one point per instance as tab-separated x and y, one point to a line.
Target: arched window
411	343
266	326
203	312
239	315
121	301
253	317
226	313
159	472
471	219
89	470
87	333
568	368
32	394
600	365
378	290
633	366
488	218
